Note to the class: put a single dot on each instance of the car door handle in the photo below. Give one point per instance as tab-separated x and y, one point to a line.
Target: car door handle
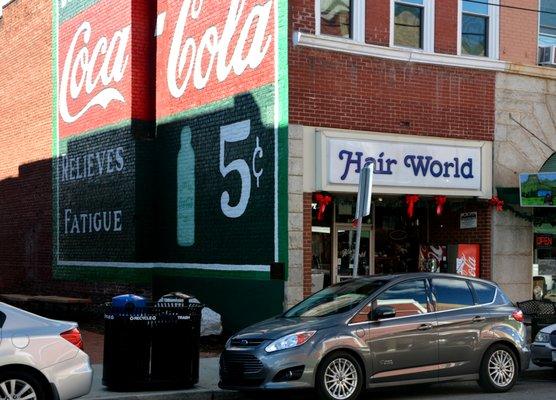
425	327
479	319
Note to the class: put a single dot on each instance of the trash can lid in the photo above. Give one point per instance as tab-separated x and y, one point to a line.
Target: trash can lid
177	297
128	300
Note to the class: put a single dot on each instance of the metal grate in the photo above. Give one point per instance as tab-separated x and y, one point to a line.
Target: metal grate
240	364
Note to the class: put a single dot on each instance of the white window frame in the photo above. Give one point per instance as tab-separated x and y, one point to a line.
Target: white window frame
4	3
428	25
357	20
493	30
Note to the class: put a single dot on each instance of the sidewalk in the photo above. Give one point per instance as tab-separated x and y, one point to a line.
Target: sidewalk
207	389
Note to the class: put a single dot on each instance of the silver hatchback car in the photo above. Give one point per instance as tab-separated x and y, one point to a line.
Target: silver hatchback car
383	331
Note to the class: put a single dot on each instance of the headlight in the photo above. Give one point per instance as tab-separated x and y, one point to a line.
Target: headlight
229	342
542	337
290	341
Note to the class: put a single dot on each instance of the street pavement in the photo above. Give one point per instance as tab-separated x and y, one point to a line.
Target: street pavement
527	389
536	384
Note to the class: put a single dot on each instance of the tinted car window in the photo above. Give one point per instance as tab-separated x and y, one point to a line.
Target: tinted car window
2	319
407	298
501	298
485	292
336	299
451	294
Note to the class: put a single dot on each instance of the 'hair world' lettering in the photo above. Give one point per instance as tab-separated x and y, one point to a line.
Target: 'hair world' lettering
419	165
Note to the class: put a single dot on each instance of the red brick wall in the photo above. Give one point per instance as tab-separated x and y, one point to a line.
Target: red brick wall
445	230
307	243
302	15
518	32
26	239
336	90
377	22
25	178
446	27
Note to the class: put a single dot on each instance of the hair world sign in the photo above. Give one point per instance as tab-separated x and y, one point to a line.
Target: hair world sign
415	165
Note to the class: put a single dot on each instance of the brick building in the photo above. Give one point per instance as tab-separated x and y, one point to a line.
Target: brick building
193	146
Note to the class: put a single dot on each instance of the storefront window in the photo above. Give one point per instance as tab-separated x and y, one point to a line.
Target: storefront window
392	242
544	268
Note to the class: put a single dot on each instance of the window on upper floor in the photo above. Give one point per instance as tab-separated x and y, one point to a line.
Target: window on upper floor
412	24
478	28
547	23
341	18
335	18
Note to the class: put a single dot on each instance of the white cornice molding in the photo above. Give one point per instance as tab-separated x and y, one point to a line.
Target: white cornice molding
349	46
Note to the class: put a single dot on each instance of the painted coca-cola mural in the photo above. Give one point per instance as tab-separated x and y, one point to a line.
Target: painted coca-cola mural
171	146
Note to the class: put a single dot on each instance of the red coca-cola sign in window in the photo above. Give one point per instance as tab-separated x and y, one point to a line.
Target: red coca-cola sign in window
543	241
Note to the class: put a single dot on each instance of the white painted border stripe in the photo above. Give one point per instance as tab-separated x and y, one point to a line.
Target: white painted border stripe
213	267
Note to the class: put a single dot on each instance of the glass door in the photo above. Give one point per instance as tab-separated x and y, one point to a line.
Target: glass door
344	248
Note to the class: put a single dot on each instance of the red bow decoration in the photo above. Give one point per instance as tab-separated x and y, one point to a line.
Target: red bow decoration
496	202
440	201
323	201
411	199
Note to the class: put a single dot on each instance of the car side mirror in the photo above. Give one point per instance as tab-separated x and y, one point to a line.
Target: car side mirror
382	312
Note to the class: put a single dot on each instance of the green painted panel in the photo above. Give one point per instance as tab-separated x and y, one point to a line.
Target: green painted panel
70	8
216	189
549	165
241	302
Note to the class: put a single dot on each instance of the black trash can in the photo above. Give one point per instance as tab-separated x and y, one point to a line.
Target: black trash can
150	346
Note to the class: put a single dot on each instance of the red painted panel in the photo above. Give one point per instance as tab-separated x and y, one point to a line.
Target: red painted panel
95	68
207	52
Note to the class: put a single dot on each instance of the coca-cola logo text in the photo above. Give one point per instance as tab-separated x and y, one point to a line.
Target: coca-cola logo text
82	74
185	61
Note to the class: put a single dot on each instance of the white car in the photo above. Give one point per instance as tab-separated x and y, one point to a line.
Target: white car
41	359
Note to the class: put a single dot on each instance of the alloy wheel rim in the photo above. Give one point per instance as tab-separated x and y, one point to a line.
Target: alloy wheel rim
340	378
501	368
16	389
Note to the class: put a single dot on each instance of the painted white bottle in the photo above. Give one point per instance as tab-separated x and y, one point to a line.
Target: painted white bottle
186	190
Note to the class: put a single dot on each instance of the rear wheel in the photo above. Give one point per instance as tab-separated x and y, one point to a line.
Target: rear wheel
20	386
339	377
499	369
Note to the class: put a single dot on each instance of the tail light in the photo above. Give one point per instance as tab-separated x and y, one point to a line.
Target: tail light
74	337
518	315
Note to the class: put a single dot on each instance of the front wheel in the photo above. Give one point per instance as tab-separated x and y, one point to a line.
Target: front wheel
339	377
499	369
20	386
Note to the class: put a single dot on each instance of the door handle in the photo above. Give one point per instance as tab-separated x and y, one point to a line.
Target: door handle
479	319
425	327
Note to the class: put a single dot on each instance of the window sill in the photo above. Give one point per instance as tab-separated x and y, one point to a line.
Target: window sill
395	53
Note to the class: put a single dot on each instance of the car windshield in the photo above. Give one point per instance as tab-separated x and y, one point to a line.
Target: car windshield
336	299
